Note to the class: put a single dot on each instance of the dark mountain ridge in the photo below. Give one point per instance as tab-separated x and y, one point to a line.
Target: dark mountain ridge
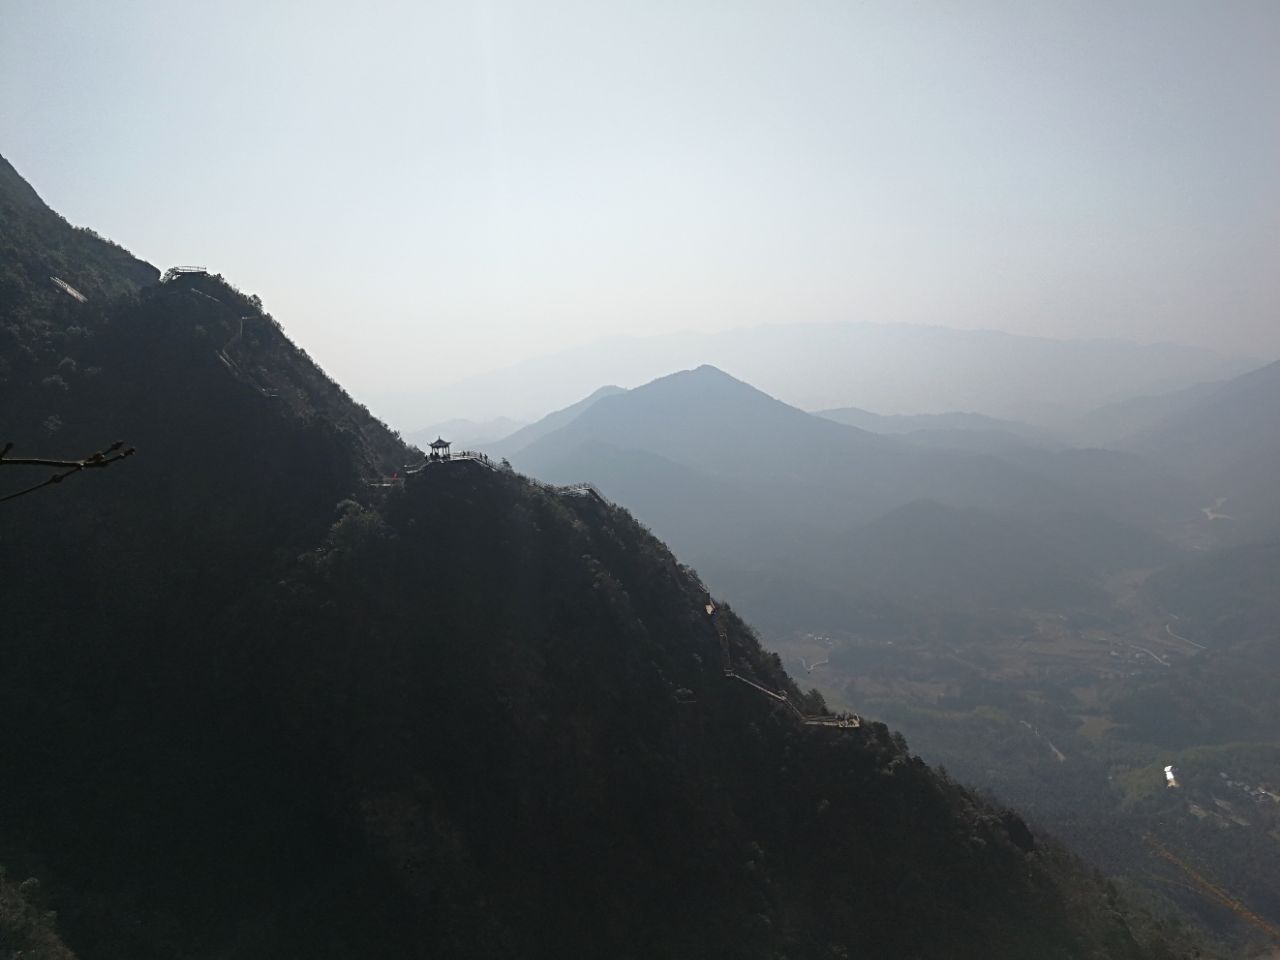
37	244
256	706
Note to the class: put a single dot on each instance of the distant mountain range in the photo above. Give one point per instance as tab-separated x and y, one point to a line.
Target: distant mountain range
752	490
1227	440
814	522
955	430
1112	423
889	368
911	423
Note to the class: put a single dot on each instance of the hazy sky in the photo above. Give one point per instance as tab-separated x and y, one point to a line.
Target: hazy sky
429	189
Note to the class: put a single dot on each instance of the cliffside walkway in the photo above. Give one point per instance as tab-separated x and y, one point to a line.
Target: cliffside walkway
463	456
224	352
809	720
225	357
840	722
483	460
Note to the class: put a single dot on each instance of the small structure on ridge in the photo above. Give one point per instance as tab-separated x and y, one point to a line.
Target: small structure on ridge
439	449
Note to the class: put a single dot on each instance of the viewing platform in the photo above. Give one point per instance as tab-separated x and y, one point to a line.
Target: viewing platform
441	451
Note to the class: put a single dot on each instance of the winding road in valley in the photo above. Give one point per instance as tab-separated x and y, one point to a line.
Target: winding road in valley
1168	628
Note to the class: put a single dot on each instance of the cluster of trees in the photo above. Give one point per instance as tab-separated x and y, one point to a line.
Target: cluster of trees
26	930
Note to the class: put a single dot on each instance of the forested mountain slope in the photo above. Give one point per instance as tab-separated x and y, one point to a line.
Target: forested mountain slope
256	707
35	243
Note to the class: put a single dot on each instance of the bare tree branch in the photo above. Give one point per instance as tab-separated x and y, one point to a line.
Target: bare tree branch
95	461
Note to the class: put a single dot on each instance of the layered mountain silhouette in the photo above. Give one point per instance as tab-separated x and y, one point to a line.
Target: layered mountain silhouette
1228	442
748	487
891	368
1114	422
957	430
260	702
717	424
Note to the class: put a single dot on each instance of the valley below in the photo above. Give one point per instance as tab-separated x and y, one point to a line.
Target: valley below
1074	718
1053	624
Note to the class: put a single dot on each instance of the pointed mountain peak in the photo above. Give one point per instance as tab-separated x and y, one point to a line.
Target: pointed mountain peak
708	373
706	380
14	189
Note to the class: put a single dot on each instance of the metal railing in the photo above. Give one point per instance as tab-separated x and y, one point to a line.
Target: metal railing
840	721
846	722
